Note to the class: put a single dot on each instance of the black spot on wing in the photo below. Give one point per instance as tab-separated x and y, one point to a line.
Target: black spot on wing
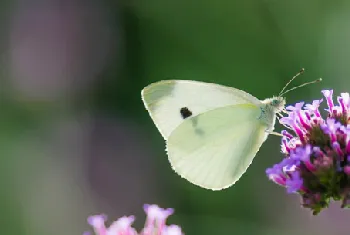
185	112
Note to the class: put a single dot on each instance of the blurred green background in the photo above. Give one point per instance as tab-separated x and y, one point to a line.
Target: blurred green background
75	139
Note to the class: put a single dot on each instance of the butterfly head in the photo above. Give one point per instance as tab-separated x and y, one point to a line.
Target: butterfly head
276	103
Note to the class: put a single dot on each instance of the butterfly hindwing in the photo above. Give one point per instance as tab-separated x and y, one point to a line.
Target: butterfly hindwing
215	148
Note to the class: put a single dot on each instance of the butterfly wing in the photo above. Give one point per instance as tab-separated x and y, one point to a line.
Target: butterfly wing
214	149
165	101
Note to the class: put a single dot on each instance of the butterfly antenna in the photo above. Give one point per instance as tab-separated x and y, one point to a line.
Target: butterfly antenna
295	76
307	83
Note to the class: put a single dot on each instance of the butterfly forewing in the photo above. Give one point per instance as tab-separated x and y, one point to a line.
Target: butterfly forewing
171	102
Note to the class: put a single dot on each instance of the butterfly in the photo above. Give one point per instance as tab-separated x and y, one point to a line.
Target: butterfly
212	132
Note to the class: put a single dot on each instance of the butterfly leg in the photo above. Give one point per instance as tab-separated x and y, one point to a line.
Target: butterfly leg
285	111
279	116
274	133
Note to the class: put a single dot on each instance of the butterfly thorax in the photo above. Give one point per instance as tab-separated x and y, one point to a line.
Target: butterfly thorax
269	108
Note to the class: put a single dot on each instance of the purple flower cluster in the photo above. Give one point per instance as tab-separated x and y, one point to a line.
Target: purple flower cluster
155	223
317	156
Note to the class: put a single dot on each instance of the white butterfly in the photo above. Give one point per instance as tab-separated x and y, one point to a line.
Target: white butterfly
212	132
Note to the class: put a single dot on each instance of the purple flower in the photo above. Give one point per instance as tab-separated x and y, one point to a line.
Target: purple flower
172	230
294	182
313	108
347	170
331	128
329	97
317	158
296	107
276	174
156	218
155	223
291	122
